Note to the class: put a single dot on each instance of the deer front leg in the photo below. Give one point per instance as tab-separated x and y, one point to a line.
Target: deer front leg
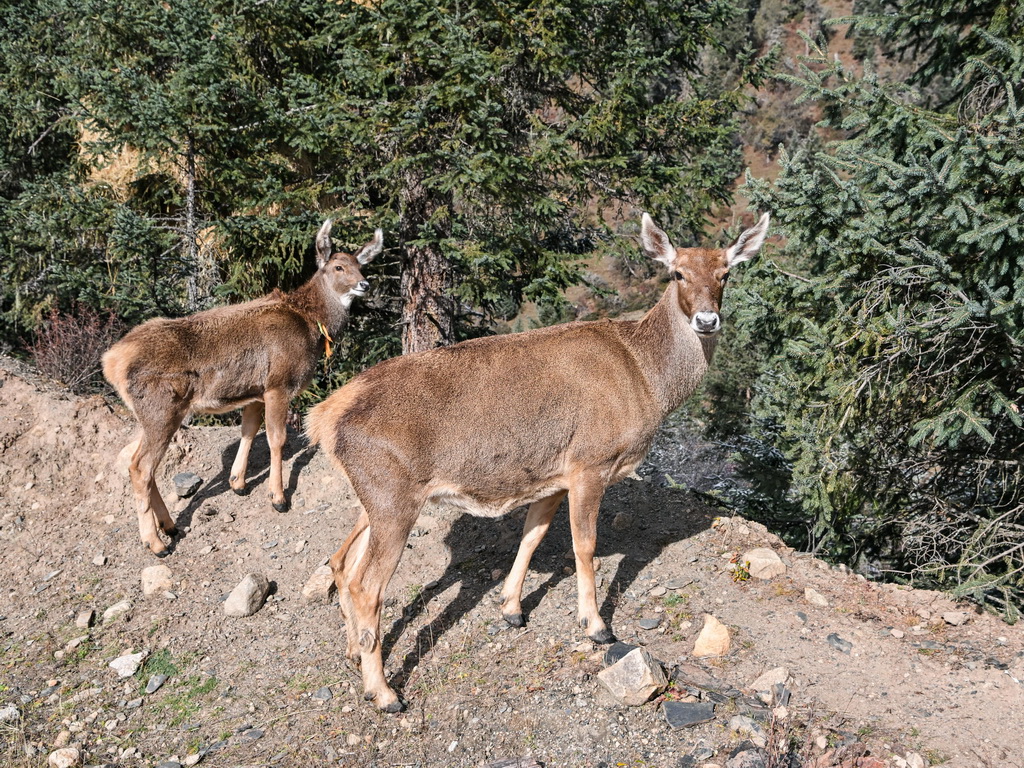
252	417
276	410
584	504
538	520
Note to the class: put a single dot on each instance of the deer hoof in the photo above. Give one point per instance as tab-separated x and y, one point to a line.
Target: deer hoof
162	553
514	619
282	506
393	708
603	637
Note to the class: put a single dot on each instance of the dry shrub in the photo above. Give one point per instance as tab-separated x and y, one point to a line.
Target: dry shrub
68	347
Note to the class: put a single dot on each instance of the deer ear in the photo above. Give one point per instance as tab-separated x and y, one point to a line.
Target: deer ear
370	251
655	242
748	244
323	244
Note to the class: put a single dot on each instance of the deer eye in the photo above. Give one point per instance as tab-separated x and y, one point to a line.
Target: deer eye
338	268
677	275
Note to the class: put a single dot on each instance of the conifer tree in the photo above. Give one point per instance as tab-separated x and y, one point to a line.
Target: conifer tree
889	406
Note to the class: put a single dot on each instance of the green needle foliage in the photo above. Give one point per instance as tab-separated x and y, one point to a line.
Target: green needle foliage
888	408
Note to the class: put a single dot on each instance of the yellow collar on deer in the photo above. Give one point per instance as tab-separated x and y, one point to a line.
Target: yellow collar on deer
327	338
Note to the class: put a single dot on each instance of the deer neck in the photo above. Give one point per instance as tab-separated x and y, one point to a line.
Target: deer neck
671	355
319	306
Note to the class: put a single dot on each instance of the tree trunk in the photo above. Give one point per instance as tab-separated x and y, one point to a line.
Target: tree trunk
428	307
191	230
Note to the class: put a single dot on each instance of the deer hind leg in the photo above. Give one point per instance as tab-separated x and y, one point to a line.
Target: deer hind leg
342	564
276	411
150	506
163	517
584	503
538	520
252	417
369	578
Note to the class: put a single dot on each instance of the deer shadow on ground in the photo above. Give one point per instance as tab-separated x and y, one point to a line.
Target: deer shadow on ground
296	446
661	516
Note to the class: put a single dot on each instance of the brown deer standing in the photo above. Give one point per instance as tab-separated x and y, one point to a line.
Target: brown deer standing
256	356
494	423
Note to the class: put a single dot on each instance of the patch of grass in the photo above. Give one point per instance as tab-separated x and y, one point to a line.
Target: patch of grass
184	705
160	663
77	655
674	599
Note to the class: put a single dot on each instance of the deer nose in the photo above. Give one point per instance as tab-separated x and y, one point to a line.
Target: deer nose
364	285
706	322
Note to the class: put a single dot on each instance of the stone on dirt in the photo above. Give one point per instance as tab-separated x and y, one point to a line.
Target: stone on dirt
186	483
814	597
127	665
764	685
320	586
116	611
65	757
84	619
622	522
956	618
248	596
713	639
9	714
682	714
748	728
634	679
616	652
763	563
155	681
155	580
747	755
841	645
323	694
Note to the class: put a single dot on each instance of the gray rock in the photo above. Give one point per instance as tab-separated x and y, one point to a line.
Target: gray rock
156	579
682	714
764	686
763	563
186	483
844	646
678	583
746	756
814	597
253	734
248	596
747	727
617	651
65	757
650	623
169	764
323	694
9	714
116	611
155	681
634	679
85	619
622	522
320	586
127	665
956	618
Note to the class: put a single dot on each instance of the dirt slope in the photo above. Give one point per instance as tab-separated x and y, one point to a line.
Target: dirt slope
273	688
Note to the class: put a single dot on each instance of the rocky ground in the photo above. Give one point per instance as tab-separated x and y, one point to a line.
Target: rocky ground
871	675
